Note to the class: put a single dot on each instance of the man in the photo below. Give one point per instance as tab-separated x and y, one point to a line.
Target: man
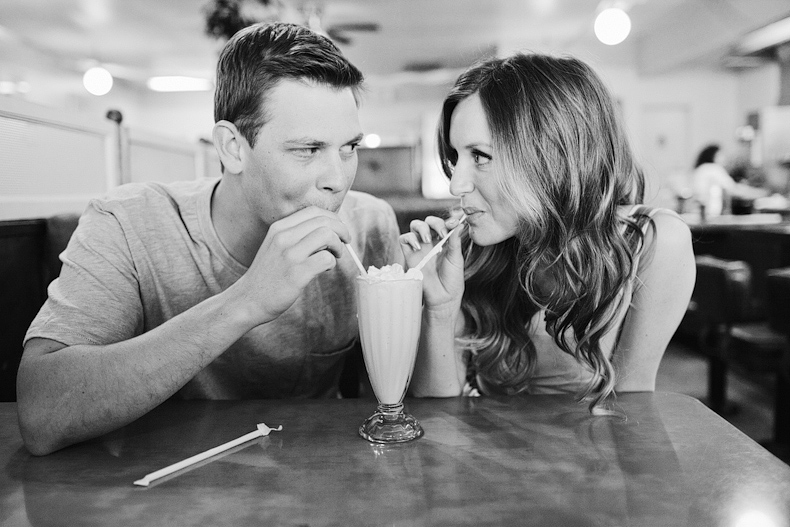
238	287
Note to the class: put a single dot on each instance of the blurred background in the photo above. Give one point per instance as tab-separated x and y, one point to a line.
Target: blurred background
688	73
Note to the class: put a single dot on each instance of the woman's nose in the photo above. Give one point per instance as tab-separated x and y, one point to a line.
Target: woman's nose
461	183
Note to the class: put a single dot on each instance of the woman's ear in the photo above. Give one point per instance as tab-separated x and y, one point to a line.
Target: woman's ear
229	142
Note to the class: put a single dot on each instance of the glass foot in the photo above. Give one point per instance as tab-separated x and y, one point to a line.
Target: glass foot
390	425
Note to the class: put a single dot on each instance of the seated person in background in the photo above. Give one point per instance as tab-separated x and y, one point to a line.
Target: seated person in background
561	282
236	287
712	185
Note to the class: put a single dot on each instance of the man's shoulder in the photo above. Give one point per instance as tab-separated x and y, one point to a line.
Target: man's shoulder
150	196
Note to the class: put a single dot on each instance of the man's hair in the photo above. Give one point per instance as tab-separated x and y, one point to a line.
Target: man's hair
258	57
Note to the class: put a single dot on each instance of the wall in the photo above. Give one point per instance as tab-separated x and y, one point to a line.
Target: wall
671	117
757	88
403	110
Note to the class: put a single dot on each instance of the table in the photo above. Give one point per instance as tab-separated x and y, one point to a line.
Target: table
533	460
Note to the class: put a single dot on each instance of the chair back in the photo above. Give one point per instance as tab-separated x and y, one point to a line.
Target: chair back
722	292
778	298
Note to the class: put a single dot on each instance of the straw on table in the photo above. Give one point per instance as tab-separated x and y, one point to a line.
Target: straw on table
262	430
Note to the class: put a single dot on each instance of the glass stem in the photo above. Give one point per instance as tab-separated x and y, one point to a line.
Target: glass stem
391	411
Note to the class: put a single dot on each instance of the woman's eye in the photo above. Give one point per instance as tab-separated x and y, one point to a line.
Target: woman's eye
480	158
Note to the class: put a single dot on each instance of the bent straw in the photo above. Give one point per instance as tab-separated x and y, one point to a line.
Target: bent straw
438	247
262	430
356	259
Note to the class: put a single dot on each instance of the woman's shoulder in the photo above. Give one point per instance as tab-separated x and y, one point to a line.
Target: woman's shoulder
667	236
662	218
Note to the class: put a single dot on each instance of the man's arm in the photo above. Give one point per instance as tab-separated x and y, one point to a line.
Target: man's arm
68	394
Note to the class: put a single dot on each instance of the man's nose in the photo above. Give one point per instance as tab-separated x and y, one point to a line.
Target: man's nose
337	174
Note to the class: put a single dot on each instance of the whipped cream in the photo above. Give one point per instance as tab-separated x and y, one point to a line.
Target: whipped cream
391	272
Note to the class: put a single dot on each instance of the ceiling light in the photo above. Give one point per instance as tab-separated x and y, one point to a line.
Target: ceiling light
97	80
179	83
765	37
372	140
612	26
7	88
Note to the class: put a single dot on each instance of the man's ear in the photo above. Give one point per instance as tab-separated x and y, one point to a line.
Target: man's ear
229	144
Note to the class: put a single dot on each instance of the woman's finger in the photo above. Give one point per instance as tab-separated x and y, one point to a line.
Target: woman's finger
410	239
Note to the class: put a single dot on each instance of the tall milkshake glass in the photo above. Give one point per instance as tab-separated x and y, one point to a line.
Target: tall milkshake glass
389	309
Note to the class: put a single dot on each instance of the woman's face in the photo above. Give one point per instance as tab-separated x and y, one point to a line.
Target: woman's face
490	218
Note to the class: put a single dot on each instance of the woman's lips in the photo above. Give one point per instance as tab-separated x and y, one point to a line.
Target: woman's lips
472	214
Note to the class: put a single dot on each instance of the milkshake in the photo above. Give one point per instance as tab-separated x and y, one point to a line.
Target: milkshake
389	308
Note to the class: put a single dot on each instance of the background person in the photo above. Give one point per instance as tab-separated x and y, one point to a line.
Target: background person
711	184
562	282
715	189
237	287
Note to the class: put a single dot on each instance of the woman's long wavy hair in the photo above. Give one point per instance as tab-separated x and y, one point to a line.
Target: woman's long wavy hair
563	161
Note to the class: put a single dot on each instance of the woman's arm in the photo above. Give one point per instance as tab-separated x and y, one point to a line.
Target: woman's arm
665	281
439	370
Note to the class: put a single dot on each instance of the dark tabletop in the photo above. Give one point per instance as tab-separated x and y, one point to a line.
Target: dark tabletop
534	460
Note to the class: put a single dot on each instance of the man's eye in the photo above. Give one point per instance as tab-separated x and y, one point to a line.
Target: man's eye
349	149
306	152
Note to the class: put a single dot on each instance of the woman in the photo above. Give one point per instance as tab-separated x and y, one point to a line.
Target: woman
559	283
714	188
711	183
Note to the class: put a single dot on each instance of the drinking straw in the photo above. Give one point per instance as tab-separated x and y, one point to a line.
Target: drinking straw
262	430
356	259
438	247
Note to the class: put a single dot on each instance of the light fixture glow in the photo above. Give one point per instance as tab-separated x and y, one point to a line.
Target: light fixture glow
612	26
173	83
372	140
7	88
755	519
97	80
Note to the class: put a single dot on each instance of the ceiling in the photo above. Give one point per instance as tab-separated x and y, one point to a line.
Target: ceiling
136	39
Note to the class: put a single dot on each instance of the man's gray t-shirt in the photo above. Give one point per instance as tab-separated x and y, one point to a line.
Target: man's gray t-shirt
148	252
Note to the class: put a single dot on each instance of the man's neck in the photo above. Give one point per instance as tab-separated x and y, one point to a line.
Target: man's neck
240	233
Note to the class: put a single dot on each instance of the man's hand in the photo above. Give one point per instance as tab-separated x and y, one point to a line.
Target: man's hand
296	249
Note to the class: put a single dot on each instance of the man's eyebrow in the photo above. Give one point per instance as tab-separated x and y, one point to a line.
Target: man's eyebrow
306	141
315	143
356	139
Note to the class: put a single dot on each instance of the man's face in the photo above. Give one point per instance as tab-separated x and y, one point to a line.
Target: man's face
305	154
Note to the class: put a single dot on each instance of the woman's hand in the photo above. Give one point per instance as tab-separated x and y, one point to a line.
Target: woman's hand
443	281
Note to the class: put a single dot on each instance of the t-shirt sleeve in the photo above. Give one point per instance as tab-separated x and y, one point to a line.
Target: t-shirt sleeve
96	298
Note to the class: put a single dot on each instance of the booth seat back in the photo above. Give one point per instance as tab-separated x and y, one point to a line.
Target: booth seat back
29	261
